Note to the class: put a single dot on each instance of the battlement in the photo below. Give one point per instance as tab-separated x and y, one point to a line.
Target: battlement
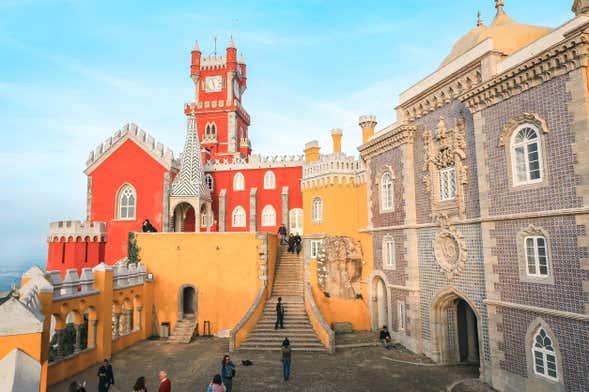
213	62
143	139
128	275
329	168
192	107
75	228
255	161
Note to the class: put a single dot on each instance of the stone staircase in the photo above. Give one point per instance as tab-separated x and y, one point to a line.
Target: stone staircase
184	330
288	284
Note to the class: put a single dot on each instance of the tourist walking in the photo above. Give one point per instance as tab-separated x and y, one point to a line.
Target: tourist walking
282	233
227	372
140	385
279	314
106	377
286	356
165	383
291	243
216	385
298	243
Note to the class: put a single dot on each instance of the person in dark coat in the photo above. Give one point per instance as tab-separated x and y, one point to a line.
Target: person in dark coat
385	337
291	243
148	227
279	314
298	243
106	377
282	233
286	356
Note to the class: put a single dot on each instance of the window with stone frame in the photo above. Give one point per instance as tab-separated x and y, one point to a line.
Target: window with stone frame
386	192
447	187
269	180
317	210
401	315
210	131
268	216
315	248
210	182
536	256
526	156
126	202
388	253
238	217
238	182
204	220
544	355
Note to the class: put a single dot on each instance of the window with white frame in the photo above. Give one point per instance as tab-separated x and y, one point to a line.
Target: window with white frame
386	192
238	182
268	216
536	256
317	210
526	156
544	355
269	180
315	248
238	217
401	315
210	182
447	183
388	253
127	202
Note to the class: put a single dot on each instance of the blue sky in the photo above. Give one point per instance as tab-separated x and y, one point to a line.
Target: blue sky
72	72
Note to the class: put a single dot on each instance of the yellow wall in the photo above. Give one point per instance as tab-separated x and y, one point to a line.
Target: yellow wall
29	343
223	267
345	212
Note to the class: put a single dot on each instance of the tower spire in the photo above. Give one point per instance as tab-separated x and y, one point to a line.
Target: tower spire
231	43
499	6
479	19
196	47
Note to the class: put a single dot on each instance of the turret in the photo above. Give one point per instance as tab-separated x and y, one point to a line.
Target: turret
242	66
312	151
231	56
336	136
195	64
367	123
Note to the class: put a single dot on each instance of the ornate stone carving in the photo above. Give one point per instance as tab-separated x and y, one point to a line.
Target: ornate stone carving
449	249
524	118
445	148
339	266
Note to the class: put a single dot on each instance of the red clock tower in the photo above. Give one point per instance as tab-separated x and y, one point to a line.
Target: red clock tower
222	122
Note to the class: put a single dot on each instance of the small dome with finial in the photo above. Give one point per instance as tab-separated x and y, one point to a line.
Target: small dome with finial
508	35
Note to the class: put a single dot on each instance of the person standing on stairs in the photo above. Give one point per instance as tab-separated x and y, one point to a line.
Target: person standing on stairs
282	233
286	356
291	243
279	314
298	243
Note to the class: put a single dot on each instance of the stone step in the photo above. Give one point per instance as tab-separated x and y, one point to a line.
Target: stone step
306	349
274	345
291	330
283	333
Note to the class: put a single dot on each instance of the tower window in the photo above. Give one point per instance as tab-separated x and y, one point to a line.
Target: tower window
386	192
126	201
210	182
317	210
238	182
269	180
268	216
238	217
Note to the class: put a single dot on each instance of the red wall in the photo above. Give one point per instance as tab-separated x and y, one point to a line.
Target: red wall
128	164
254	178
75	255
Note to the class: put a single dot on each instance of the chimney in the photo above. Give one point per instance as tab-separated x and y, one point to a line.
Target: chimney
336	136
312	151
367	123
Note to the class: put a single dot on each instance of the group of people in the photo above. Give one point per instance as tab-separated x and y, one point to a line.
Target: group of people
294	242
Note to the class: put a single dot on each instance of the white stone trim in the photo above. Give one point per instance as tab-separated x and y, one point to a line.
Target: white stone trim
537	309
254	161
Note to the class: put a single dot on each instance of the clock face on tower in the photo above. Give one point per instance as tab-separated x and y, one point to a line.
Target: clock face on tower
213	84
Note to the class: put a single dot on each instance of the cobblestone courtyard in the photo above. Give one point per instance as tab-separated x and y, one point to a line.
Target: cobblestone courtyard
191	367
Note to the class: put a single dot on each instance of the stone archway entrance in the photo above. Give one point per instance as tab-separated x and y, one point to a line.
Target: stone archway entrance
380	307
455	330
184	218
187	304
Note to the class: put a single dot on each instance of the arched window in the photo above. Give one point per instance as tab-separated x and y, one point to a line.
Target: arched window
126	202
238	217
386	192
210	182
238	182
317	210
388	253
526	156
269	180
544	355
268	216
536	255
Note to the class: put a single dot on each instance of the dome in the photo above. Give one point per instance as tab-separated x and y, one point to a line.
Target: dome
508	36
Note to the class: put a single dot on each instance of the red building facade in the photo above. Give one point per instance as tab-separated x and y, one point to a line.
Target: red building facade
131	177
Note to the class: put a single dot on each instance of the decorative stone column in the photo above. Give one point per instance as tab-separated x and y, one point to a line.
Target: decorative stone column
59	354
128	321
222	209
78	339
139	309
115	329
253	210
92	342
284	206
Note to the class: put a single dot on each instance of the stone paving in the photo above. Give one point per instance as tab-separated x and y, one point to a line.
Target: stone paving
191	366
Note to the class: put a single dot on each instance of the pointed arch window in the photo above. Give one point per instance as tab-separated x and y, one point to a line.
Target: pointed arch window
544	355
526	155
268	216
386	192
126	202
269	180
317	210
238	182
238	217
210	182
